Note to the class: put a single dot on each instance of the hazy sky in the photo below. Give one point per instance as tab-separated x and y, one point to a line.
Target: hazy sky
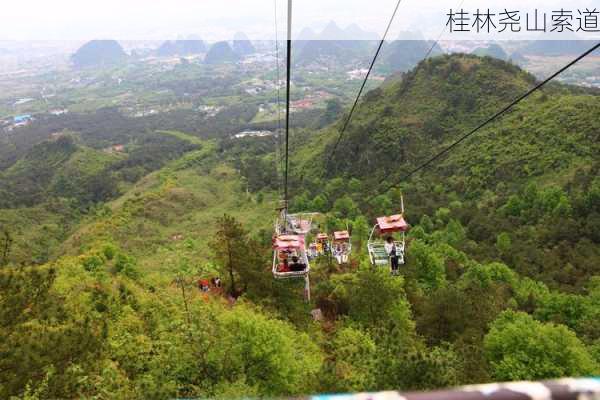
219	19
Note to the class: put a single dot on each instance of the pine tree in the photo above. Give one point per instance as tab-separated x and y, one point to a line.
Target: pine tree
234	252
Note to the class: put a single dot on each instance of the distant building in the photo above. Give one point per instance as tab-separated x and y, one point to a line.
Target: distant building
357	73
19	119
117	148
23	101
253	134
211	111
145	113
302	105
254	91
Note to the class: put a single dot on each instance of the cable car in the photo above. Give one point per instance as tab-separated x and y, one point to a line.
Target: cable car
290	253
290	260
322	244
299	224
341	246
376	246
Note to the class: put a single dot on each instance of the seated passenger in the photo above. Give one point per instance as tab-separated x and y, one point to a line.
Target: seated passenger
203	285
338	249
296	266
284	267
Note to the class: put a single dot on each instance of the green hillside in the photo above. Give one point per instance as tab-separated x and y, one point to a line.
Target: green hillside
169	215
531	175
54	184
501	280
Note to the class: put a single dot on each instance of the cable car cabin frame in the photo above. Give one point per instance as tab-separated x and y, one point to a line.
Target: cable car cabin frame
376	246
342	238
284	247
299	224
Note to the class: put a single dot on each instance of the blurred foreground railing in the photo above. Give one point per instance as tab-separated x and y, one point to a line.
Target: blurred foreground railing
562	389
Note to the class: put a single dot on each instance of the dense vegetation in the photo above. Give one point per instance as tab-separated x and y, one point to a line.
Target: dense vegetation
501	280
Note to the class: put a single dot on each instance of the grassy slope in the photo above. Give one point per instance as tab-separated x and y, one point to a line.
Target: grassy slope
168	217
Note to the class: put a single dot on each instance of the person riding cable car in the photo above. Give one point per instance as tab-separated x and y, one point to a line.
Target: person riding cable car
389	252
312	251
341	246
322	242
296	265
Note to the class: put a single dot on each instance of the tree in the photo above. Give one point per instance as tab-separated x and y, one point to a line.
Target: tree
484	276
320	203
381	205
360	231
427	368
454	233
333	108
5	246
519	348
426	223
232	250
353	363
344	207
265	353
427	265
503	243
369	296
39	339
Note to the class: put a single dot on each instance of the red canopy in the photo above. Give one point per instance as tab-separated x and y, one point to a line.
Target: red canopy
341	235
288	242
394	223
322	236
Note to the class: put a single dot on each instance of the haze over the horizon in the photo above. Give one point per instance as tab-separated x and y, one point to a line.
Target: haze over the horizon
219	20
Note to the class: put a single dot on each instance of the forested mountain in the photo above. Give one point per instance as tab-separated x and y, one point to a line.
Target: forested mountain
537	165
501	280
99	53
221	52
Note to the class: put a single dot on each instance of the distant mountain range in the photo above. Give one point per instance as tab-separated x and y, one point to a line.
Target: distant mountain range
493	50
181	48
242	46
333	44
405	54
333	32
99	53
556	47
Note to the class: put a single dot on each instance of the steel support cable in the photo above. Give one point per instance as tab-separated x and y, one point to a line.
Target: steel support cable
287	104
490	119
364	83
278	152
